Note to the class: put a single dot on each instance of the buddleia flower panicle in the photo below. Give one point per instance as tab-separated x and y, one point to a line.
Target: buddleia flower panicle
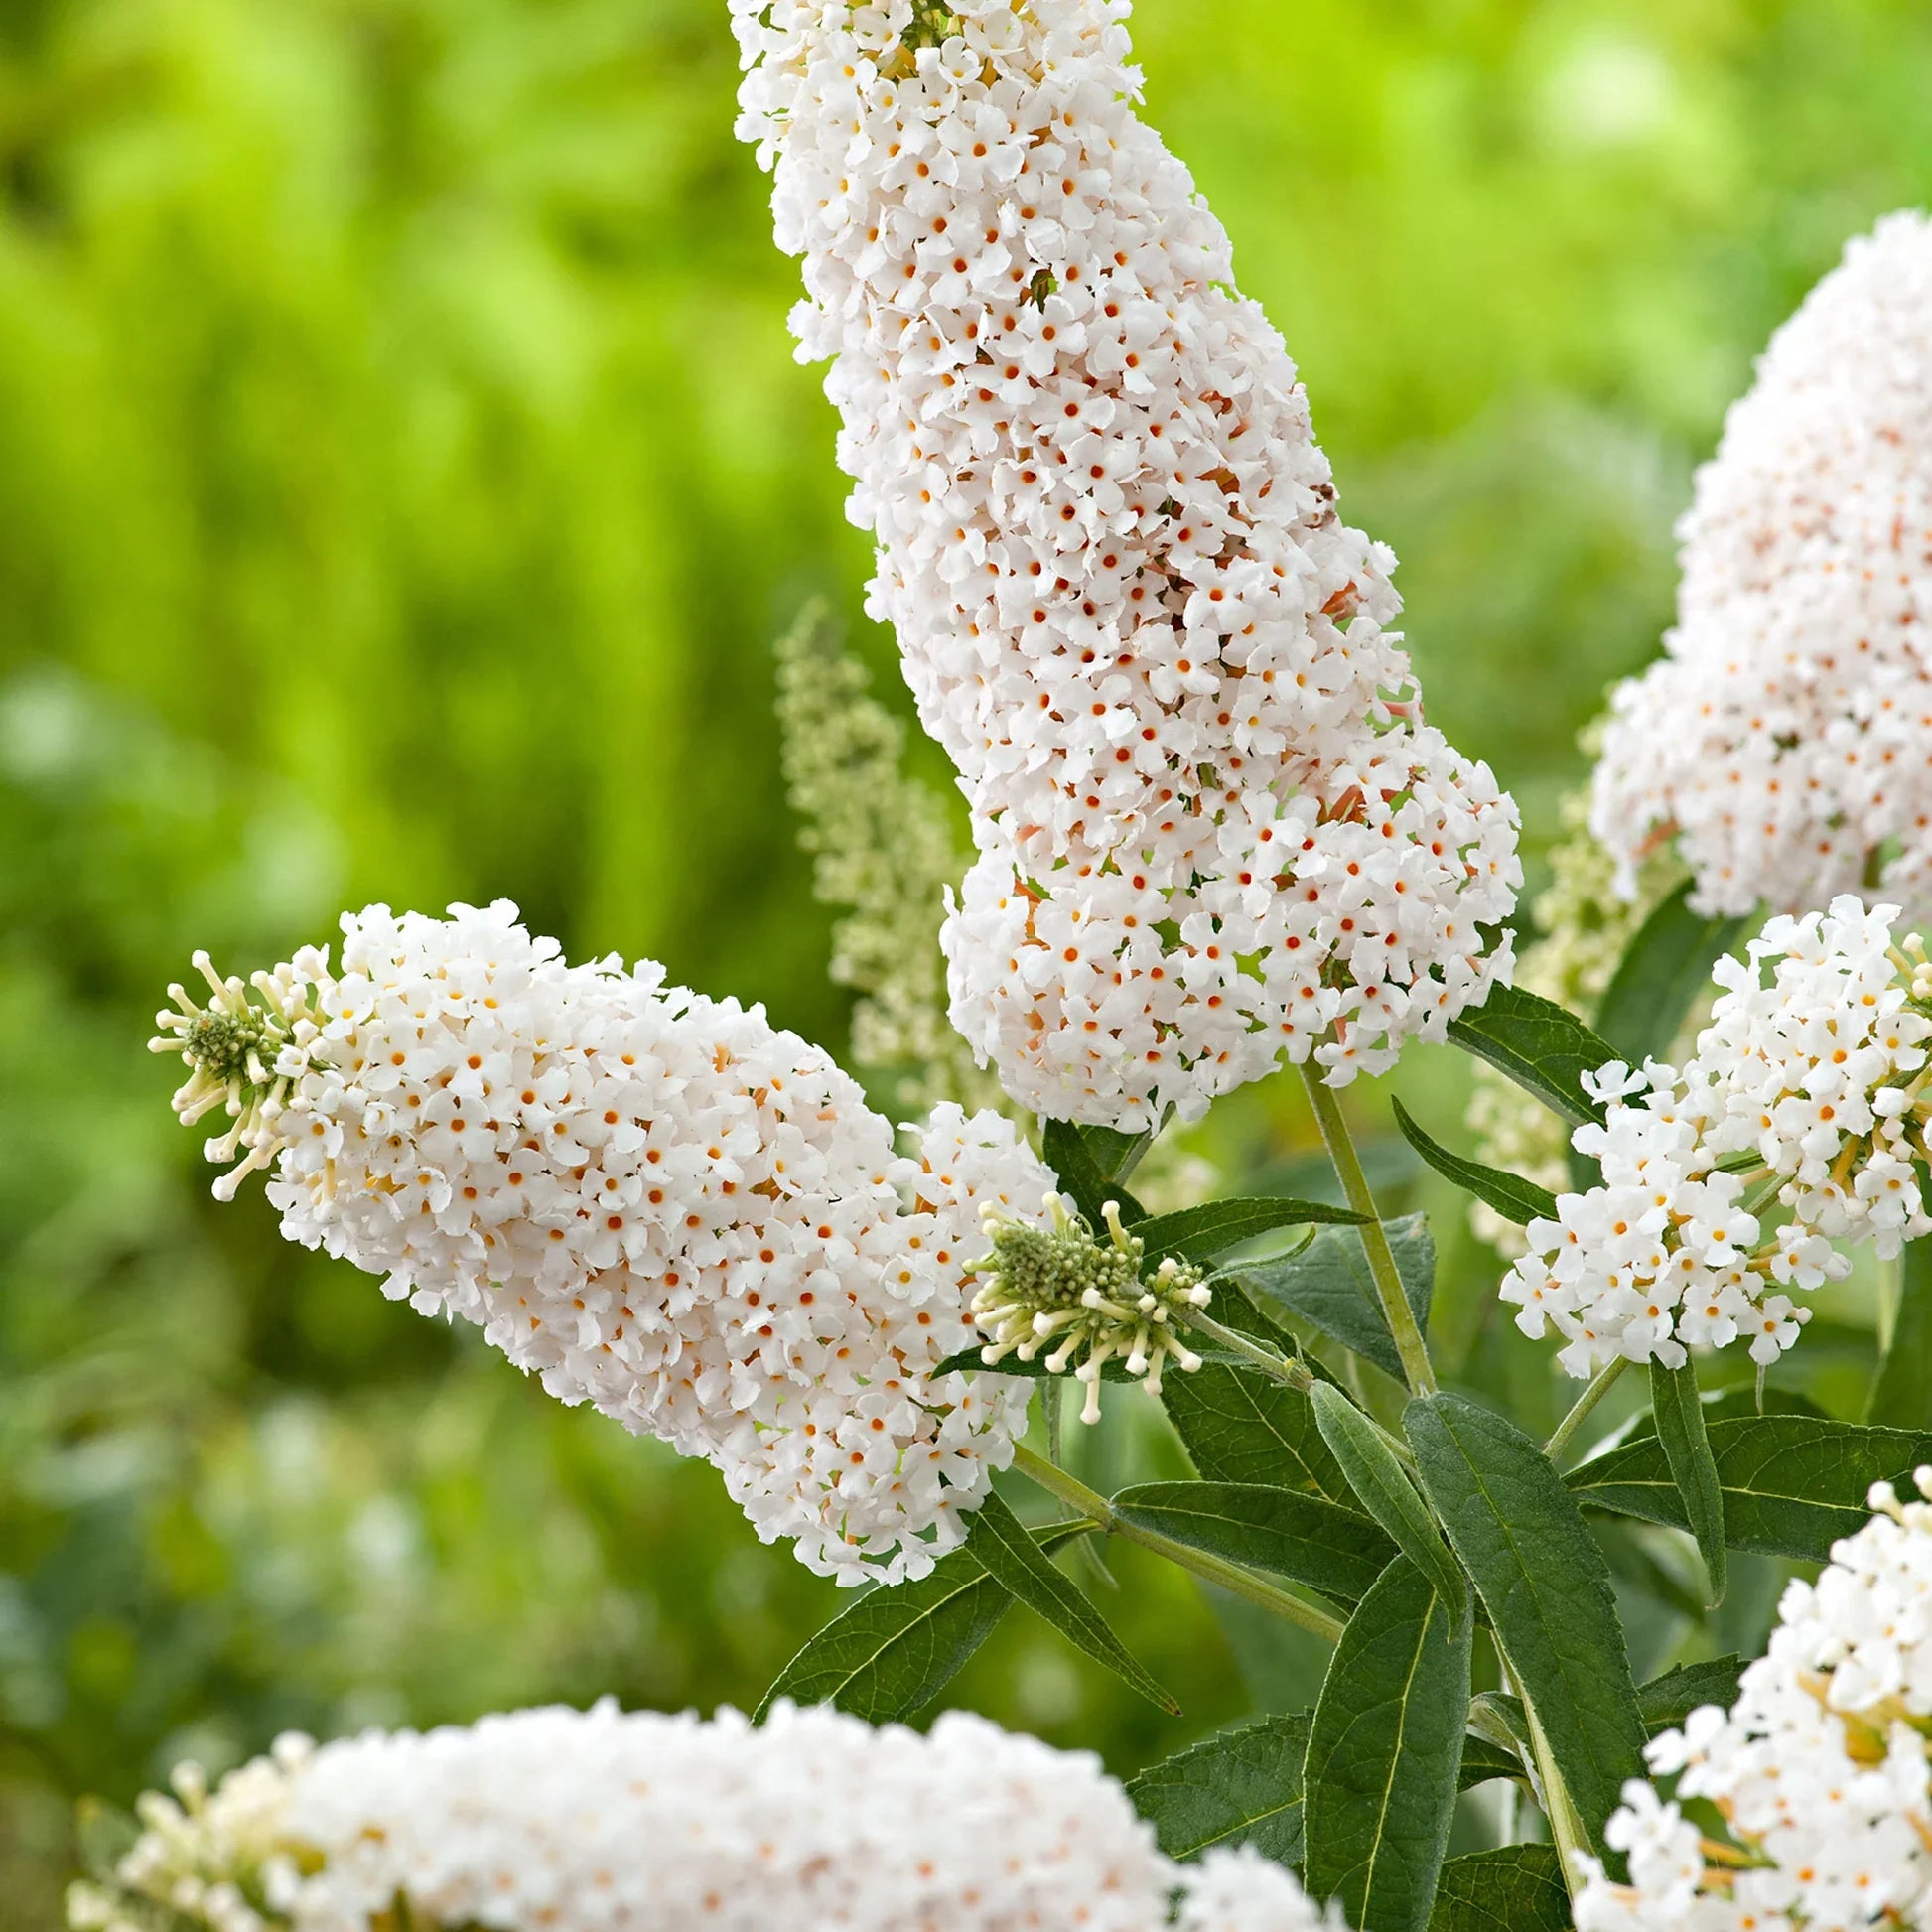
1817	1771
659	1203
1808	1091
1212	828
1784	740
600	1821
1050	1285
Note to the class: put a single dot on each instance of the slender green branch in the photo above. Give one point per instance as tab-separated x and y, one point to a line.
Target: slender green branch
1396	1312
1210	1568
1294	1374
1605	1381
1892	1292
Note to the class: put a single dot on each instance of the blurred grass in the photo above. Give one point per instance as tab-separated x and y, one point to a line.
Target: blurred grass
402	472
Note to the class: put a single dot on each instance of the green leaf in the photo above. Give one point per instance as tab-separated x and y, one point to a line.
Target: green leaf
1384	1752
1240	1426
1540	1046
1001	1543
1546	1587
1330	1287
1201	1233
1514	1197
1668	1700
1306	1538
1086	1176
1679	1415
892	1651
1663	970
1243	1787
1515	1888
1387	1495
1901	1392
1792	1484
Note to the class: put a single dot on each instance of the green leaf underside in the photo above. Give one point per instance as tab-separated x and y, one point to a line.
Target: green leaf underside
1679	1416
1546	1587
891	1653
1483	1761
1240	1426
1514	1197
1515	1888
1668	1700
1539	1044
1387	1495
1901	1392
1001	1543
1243	1787
1663	970
1792	1484
1087	1178
1309	1538
1330	1287
1385	1750
1201	1233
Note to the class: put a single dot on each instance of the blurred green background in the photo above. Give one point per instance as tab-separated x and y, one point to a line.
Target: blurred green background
403	474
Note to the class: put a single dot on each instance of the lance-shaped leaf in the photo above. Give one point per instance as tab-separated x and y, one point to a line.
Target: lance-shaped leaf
1330	1287
1201	1233
1792	1484
1011	1556
1084	1176
1515	1888
1663	970
1336	1550
1679	1417
1545	1048
1386	1492
1243	1787
1901	1392
1384	1752
1668	1700
891	1653
1514	1197
1546	1587
1240	1426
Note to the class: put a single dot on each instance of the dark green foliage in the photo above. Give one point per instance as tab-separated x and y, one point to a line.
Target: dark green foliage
1678	1414
1384	1751
1543	1047
1239	1787
1792	1484
1515	1888
1662	971
1545	1587
1329	1285
1514	1197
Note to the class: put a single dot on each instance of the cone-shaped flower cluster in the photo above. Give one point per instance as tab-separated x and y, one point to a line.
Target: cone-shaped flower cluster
1807	1090
1786	736
659	1203
561	1821
1212	829
1819	1770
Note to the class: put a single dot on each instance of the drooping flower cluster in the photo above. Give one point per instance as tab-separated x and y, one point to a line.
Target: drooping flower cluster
563	1821
1052	1286
1808	1089
1785	738
1582	925
658	1203
1819	1769
1212	829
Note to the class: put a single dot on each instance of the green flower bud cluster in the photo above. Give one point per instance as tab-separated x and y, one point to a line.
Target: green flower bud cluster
1090	1301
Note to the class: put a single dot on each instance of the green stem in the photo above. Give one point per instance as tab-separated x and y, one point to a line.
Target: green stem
1396	1312
1891	1291
1605	1380
1294	1374
1210	1568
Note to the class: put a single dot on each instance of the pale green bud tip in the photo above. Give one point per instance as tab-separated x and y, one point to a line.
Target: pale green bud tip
1091	1299
244	1048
